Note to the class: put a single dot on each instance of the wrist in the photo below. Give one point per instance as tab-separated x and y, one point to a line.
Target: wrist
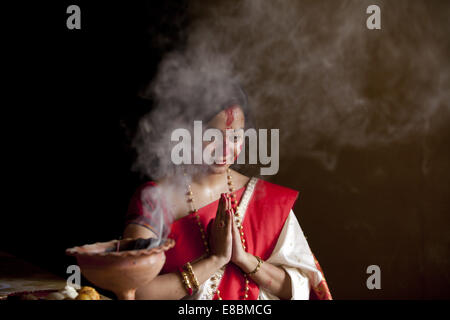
217	261
246	262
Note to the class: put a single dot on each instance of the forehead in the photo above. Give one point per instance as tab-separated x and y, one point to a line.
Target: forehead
232	117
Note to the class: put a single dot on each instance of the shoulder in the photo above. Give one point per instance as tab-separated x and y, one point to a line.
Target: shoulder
164	193
154	185
266	188
148	197
147	185
274	186
143	188
148	193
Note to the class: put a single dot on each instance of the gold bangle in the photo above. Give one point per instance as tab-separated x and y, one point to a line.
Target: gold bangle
260	261
194	279
185	280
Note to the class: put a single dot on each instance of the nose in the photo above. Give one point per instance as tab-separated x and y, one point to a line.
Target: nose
226	149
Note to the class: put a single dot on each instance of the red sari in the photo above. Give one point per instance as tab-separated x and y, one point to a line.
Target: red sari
264	219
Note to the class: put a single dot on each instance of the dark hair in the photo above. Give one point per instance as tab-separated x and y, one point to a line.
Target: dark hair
236	96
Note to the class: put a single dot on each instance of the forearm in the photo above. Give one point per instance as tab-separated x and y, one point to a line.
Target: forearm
273	278
170	286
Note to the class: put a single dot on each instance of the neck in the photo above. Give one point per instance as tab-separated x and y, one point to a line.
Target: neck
209	178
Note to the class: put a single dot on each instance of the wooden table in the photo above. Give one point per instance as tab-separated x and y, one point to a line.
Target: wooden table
17	275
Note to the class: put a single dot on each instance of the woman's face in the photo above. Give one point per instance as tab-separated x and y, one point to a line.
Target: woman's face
232	119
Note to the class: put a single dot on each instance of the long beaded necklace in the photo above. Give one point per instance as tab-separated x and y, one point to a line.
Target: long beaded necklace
235	209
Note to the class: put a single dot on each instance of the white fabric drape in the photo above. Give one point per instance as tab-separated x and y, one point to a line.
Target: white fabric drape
292	253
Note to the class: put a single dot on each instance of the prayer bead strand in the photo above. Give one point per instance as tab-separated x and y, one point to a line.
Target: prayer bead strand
236	212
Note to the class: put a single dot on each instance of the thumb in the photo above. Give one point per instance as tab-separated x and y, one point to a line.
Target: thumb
230	221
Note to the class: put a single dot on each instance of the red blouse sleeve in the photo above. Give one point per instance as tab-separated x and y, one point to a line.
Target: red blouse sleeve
142	207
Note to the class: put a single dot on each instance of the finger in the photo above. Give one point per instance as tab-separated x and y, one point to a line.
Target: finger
230	205
229	208
224	207
225	219
224	203
230	221
220	210
224	199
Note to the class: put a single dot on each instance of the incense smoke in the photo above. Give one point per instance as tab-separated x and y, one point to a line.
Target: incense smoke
311	69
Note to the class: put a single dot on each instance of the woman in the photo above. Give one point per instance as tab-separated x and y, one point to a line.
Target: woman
236	237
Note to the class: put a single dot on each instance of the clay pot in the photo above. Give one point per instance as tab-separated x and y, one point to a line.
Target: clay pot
121	272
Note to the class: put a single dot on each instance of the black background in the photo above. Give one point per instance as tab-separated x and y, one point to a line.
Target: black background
73	103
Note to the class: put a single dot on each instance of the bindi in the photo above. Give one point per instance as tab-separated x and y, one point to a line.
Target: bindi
230	114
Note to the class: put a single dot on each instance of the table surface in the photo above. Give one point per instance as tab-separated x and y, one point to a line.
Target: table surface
17	275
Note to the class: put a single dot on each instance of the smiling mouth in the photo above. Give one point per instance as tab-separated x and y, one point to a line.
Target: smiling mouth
222	163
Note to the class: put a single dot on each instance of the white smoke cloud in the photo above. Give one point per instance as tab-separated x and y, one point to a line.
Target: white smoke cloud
315	71
310	68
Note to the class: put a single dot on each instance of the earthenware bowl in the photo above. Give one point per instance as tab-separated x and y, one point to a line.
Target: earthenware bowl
121	272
